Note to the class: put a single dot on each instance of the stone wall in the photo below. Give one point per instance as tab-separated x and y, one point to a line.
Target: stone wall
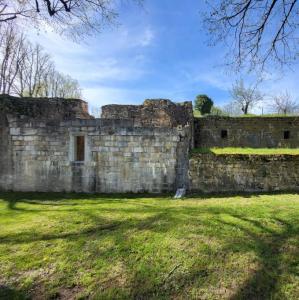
153	113
119	157
138	149
5	153
44	108
255	132
13	110
211	173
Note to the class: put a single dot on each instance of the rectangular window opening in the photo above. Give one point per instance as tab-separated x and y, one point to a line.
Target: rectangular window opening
80	148
224	134
286	134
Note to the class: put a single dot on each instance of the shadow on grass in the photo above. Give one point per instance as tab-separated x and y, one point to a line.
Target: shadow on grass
263	283
68	199
268	244
7	293
20	238
65	199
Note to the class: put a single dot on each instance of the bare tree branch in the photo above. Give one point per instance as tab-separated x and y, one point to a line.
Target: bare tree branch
260	32
26	70
245	97
69	17
284	104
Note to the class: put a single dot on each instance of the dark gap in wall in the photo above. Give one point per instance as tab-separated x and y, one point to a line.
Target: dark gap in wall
224	134
286	134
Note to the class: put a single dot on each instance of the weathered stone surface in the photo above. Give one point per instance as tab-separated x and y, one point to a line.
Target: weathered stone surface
255	132
6	167
44	108
153	113
211	173
137	149
144	168
38	153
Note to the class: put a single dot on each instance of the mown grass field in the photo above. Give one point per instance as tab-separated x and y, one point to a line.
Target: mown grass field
65	246
248	151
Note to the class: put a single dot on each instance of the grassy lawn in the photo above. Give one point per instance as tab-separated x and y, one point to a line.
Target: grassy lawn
75	247
253	151
197	114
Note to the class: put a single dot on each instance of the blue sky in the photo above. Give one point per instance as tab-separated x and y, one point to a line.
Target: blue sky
158	51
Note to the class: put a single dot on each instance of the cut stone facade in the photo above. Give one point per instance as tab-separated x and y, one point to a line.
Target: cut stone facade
55	145
38	153
253	132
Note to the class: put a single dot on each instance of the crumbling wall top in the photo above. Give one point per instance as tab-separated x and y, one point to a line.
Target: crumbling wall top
44	108
153	112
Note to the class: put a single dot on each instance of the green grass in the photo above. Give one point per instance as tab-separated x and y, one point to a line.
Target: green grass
267	116
249	151
196	113
123	247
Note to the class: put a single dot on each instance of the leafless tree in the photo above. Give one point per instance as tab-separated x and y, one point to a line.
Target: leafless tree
56	84
75	17
50	83
95	111
245	97
12	55
260	32
33	70
26	70
284	104
232	109
70	87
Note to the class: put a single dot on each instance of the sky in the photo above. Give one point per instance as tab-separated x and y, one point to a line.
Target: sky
159	50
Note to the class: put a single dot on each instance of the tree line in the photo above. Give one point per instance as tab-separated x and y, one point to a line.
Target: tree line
245	99
27	70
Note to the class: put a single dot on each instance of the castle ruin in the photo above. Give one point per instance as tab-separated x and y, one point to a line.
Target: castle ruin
55	145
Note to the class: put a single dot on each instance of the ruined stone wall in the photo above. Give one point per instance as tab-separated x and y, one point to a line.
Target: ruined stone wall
152	113
211	173
255	132
44	108
38	150
118	157
138	149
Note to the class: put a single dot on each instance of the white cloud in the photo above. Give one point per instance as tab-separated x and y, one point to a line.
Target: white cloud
103	95
147	38
215	79
55	44
106	69
277	84
109	56
103	62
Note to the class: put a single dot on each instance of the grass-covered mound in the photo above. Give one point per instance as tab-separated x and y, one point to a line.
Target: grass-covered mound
120	247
